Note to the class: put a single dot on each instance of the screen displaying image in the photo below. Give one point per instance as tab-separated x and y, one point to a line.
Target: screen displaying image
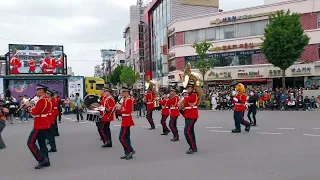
36	59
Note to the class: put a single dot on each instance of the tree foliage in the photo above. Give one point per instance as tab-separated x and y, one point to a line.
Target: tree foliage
129	76
284	40
114	77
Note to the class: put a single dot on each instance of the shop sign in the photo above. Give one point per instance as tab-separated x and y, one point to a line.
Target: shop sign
170	31
243	17
301	71
175	77
221	75
235	46
171	55
249	74
275	73
224	54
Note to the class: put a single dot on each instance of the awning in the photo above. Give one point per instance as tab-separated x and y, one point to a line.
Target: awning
253	80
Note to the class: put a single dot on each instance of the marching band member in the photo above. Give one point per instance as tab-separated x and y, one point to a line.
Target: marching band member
126	123
239	100
149	100
164	113
55	112
40	128
50	64
51	137
174	113
60	65
107	116
15	64
98	123
32	66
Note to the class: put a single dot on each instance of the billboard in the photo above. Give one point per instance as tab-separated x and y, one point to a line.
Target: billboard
105	53
36	59
75	85
28	87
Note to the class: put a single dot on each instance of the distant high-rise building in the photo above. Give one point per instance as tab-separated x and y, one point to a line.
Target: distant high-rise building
119	59
98	71
69	71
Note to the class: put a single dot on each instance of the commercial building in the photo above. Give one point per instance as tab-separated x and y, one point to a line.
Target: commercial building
98	71
157	15
119	59
133	34
236	37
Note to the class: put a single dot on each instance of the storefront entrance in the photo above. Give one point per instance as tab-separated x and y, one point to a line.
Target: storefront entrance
290	82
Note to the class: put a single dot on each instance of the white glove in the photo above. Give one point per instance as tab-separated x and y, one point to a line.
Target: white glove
234	93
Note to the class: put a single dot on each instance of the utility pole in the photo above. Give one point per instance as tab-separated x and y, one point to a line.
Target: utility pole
142	60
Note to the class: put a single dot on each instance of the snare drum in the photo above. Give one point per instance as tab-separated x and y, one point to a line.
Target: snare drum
93	116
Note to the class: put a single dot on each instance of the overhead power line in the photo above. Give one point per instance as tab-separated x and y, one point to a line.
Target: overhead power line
76	42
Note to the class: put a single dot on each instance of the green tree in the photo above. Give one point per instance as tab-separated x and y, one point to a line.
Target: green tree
284	41
129	76
203	64
114	77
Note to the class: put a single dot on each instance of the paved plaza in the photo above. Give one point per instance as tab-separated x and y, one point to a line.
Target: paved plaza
284	146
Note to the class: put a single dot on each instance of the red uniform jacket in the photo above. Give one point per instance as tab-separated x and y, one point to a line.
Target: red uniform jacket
49	65
15	64
50	116
60	63
173	103
32	65
165	106
149	100
126	113
40	113
191	110
240	102
109	104
55	103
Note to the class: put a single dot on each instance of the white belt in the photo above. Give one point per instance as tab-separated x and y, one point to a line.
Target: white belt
55	108
192	107
165	107
50	114
126	114
41	115
174	108
149	102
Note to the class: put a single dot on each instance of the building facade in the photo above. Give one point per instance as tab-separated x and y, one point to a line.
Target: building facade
119	59
157	15
133	35
236	37
98	71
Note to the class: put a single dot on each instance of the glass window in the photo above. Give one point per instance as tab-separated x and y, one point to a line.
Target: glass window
318	19
201	35
245	60
228	31
244	29
258	27
211	34
190	37
172	41
172	65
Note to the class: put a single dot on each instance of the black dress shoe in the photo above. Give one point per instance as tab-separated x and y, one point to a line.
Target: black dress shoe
236	131
42	164
152	128
48	164
174	139
53	150
106	145
129	156
248	128
254	124
190	151
165	133
251	122
123	157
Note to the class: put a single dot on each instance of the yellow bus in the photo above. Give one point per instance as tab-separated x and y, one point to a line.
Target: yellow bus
94	85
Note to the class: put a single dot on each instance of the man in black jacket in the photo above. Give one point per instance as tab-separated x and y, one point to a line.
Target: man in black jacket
252	106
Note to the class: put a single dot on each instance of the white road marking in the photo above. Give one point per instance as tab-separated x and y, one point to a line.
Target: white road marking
314	135
117	125
67	118
316	128
74	120
84	122
220	131
286	128
214	127
268	133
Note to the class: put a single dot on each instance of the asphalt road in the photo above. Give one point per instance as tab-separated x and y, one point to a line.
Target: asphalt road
284	146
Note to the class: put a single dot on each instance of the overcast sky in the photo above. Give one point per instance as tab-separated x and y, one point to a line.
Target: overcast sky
82	26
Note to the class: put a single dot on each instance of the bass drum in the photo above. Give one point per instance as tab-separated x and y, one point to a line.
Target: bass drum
91	101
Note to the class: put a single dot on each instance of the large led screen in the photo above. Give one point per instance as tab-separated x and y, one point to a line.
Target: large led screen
36	59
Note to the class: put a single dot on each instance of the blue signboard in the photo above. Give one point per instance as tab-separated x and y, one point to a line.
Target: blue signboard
225	54
107	52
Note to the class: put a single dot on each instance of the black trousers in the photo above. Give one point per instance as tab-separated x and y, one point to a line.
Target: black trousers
51	138
252	111
124	138
173	126
164	123
78	113
38	135
2	126
189	133
150	118
98	124
55	127
104	131
238	119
